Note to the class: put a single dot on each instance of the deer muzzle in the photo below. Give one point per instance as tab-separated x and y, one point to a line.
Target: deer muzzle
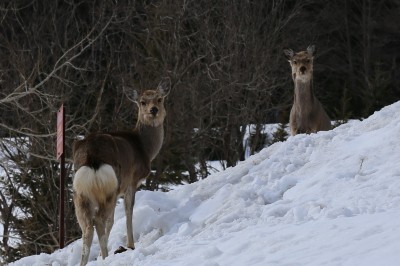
154	110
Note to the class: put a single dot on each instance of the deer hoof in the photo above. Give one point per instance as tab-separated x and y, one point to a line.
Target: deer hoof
121	249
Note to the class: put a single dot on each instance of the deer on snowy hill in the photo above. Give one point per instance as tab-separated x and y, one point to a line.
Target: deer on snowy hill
307	114
109	165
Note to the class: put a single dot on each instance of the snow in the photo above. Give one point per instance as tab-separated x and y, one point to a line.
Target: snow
331	198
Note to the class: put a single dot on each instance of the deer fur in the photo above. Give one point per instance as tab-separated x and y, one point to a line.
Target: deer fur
307	114
109	165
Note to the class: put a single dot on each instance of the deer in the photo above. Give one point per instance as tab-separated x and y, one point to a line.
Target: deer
307	114
110	165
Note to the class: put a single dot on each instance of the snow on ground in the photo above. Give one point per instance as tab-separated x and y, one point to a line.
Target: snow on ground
331	198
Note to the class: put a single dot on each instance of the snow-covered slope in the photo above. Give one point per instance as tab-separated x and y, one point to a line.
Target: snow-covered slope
331	198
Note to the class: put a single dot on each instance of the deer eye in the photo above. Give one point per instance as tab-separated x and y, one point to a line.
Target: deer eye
143	103
159	100
295	62
307	61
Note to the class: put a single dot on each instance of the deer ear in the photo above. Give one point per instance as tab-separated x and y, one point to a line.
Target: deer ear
164	87
311	50
288	53
131	94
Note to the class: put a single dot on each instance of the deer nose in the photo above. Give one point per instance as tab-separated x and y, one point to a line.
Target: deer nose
154	110
303	69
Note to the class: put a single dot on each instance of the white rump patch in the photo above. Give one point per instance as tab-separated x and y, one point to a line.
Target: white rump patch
96	185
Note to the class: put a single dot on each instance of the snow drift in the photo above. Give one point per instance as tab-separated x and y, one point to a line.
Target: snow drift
331	198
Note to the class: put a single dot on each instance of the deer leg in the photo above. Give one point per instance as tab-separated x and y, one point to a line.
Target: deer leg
87	238
84	215
101	233
110	218
129	200
103	222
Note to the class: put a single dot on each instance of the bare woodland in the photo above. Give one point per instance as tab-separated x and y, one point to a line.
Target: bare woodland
227	69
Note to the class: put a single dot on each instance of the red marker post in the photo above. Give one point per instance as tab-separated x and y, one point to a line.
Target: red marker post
61	157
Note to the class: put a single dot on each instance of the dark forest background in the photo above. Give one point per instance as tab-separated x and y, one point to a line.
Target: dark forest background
227	70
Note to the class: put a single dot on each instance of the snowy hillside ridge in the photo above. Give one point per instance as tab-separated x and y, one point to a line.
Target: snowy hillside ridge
331	198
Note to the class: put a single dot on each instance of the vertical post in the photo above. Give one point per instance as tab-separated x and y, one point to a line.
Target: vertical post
61	157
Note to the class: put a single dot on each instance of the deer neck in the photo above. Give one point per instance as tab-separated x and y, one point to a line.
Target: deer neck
303	96
151	138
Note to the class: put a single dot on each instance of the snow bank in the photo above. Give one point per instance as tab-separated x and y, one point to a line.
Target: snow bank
331	198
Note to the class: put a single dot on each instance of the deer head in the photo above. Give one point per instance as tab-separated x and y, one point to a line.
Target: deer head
301	63
151	104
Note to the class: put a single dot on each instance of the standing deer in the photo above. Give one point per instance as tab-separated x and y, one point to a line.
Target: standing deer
307	114
109	165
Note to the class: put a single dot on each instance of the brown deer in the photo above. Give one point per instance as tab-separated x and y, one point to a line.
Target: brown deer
307	114
109	165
